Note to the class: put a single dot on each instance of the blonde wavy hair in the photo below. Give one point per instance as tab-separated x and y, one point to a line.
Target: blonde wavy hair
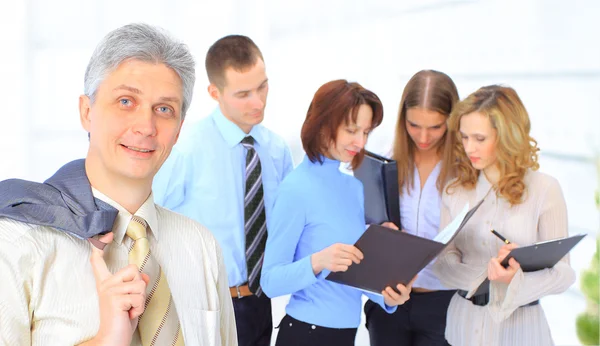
516	150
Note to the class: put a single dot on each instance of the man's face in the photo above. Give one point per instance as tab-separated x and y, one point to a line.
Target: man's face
244	96
134	121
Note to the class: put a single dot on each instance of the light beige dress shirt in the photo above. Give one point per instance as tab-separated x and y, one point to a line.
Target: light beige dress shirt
48	292
463	265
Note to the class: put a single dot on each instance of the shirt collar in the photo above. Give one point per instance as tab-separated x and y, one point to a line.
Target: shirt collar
232	133
327	165
147	211
483	186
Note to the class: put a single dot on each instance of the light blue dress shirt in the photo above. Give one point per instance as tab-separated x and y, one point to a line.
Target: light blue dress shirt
316	206
204	179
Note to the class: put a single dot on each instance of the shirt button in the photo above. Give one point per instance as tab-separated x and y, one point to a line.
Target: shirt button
313	327
290	324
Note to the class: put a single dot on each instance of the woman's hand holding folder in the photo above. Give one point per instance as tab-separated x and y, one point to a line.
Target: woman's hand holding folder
335	258
393	298
391	225
496	272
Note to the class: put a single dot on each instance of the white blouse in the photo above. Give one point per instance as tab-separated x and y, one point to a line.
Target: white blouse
463	265
420	216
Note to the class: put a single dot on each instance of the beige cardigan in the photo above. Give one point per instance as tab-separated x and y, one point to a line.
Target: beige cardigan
463	265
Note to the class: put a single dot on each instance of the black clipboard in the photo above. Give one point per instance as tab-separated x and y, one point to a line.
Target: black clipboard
392	257
537	256
379	176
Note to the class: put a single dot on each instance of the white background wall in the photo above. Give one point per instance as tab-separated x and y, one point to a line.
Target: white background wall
548	50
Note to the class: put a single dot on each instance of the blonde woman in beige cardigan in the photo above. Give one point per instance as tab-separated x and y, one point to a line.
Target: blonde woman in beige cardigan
496	159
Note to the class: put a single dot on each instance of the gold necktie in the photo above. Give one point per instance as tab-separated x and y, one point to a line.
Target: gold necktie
159	324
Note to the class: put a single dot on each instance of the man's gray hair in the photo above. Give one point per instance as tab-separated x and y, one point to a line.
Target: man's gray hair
145	43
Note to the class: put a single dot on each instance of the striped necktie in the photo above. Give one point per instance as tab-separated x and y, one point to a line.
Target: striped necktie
159	324
255	225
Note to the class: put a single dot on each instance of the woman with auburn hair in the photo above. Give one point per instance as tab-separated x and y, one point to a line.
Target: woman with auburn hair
317	215
421	135
496	160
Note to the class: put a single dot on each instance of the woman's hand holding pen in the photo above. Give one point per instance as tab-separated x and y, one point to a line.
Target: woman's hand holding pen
496	272
335	258
505	250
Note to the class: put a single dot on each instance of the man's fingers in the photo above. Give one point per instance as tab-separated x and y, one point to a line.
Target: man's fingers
129	273
131	301
101	272
102	240
132	287
146	278
137	306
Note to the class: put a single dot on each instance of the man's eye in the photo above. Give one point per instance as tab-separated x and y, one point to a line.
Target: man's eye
125	102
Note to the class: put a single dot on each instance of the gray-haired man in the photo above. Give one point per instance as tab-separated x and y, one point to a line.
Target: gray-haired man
161	278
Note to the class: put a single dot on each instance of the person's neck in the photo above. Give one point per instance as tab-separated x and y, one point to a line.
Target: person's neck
492	174
427	157
127	193
246	128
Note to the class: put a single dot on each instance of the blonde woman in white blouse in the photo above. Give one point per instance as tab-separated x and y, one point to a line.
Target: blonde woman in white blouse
497	159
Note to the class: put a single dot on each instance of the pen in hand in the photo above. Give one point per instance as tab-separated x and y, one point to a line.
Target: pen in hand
506	241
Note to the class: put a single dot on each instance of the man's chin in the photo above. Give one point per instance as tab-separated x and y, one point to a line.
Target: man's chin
256	119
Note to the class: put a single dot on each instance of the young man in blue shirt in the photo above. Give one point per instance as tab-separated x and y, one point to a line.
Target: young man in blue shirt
224	173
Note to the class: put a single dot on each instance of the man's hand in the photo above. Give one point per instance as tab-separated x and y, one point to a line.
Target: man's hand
391	298
335	258
121	297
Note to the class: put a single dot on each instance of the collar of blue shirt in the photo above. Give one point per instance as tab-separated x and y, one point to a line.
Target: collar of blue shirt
232	133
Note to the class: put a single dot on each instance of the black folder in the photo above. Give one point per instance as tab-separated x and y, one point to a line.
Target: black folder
391	257
537	256
379	176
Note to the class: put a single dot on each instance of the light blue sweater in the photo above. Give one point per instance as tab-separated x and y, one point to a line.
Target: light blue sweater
316	206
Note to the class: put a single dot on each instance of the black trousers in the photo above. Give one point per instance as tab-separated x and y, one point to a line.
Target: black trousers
297	333
421	321
254	320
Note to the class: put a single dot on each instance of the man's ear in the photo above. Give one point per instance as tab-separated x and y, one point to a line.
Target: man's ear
85	108
214	92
